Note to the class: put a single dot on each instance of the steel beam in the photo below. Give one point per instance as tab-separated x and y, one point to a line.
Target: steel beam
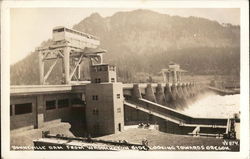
41	68
50	69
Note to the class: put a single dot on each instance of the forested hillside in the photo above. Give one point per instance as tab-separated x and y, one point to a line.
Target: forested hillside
144	42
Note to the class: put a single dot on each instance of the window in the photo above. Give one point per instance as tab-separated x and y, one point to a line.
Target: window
112	68
50	104
119	127
118	96
97	80
118	110
62	103
95	111
58	30
94	97
100	68
23	108
112	79
10	110
105	68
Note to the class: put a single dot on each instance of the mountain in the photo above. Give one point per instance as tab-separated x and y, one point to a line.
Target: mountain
143	41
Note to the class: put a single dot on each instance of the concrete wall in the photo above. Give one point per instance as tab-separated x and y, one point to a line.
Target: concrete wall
118	107
24	121
102	116
105	74
39	116
134	116
57	114
170	127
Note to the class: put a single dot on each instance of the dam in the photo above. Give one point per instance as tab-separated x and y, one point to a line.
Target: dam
133	104
104	106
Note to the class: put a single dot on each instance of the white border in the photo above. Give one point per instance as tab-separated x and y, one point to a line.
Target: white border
5	42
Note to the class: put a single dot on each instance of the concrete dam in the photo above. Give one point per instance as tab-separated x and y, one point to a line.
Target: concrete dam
103	106
154	103
140	103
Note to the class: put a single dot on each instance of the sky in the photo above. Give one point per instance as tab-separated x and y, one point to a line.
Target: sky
29	27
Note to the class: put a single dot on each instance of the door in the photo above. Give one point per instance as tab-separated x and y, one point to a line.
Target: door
119	127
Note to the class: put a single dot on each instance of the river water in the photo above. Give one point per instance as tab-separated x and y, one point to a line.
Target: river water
214	106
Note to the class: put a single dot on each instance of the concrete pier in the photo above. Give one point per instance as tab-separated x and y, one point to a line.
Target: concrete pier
149	93
174	92
160	96
136	93
180	92
185	91
168	94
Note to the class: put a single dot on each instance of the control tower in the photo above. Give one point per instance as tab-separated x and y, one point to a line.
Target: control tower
104	98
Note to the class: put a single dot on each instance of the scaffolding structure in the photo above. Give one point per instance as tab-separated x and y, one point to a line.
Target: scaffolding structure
72	56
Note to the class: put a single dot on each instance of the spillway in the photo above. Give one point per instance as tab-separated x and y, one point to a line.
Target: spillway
214	106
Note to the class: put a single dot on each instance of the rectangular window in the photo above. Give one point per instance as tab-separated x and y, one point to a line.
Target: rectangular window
95	111
95	97
111	68
118	96
51	104
23	108
105	68
99	68
112	79
62	103
118	110
97	80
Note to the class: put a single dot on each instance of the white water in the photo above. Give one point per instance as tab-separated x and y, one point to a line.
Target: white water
214	106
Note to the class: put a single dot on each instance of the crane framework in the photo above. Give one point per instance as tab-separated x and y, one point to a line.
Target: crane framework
72	57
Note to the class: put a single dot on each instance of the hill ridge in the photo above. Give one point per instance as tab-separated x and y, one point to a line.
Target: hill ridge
144	41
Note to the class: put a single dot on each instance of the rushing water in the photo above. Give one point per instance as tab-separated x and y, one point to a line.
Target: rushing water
214	106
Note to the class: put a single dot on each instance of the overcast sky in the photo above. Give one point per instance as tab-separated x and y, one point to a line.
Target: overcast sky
29	27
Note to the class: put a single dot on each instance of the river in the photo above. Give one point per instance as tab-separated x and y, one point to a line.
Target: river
214	106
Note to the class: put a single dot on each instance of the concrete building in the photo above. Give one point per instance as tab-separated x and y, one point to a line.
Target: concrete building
104	98
36	106
100	105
